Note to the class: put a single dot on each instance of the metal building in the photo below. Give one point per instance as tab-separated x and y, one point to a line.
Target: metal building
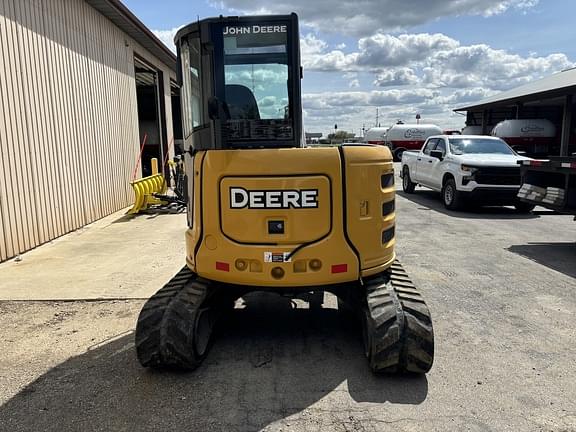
549	98
82	82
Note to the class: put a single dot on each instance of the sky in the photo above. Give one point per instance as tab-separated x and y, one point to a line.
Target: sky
402	57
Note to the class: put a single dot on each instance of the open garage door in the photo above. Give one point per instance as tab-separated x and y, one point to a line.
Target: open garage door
151	114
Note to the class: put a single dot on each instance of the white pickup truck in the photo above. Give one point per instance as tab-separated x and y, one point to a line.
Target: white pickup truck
481	169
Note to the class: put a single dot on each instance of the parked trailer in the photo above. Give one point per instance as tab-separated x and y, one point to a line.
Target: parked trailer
472	130
376	135
550	183
536	137
401	137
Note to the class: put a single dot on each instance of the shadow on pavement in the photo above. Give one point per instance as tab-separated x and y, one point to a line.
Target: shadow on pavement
267	363
152	213
557	256
431	200
125	218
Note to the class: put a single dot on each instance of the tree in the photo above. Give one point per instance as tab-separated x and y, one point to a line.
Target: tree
340	136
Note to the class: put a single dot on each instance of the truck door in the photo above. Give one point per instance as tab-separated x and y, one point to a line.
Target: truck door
434	165
424	162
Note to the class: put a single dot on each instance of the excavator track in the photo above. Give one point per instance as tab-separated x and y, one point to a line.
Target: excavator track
175	324
397	327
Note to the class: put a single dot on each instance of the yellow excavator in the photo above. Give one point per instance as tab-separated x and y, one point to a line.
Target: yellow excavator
267	214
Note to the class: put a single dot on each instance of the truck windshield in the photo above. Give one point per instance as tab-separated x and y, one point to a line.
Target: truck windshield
460	146
256	82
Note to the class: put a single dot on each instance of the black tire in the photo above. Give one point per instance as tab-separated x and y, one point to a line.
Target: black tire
407	185
346	311
397	327
451	197
174	327
524	207
398	154
316	300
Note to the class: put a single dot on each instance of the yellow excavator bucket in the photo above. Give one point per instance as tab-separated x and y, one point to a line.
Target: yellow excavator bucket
145	189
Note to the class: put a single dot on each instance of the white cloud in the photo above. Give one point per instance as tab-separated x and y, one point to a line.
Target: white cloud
167	36
467	66
435	60
396	77
331	100
410	73
361	18
383	50
310	45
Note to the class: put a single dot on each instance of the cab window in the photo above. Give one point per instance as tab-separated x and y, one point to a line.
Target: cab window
441	146
430	145
191	86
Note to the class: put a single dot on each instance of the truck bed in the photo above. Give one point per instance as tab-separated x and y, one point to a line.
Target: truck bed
550	183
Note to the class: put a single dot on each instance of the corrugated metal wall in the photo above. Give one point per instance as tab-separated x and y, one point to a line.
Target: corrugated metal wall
68	119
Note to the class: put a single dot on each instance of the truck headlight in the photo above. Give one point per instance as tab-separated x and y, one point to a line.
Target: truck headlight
470	170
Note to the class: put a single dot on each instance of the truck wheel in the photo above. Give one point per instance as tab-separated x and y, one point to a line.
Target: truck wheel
451	196
523	207
407	184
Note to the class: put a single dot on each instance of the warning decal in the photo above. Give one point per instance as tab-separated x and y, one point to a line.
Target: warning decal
277	257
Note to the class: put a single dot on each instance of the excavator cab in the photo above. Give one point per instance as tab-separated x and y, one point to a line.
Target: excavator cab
266	214
241	83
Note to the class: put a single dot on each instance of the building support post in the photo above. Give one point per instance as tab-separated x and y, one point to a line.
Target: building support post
484	121
566	126
519	107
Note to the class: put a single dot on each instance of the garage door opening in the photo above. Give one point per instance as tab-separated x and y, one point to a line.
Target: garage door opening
176	118
150	114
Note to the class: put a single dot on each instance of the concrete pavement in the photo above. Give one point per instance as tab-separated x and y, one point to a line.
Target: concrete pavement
119	256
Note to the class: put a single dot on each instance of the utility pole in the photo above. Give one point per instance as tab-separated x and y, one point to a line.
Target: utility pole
376	118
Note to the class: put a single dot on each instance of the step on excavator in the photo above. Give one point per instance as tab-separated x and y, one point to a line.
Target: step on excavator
266	213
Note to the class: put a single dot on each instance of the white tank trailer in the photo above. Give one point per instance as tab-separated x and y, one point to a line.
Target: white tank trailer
536	137
402	137
376	135
472	130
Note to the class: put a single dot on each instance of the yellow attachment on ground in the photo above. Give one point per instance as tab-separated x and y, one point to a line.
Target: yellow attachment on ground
144	190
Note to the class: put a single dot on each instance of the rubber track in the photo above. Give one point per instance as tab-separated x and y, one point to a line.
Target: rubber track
165	327
398	323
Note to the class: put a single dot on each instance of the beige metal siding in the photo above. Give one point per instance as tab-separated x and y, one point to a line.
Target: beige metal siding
68	119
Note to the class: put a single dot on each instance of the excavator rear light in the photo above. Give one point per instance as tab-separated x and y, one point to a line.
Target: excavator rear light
339	268
222	266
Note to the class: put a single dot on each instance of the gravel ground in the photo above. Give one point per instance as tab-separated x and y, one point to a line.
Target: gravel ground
500	287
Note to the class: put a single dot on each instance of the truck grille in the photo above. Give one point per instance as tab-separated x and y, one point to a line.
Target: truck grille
498	176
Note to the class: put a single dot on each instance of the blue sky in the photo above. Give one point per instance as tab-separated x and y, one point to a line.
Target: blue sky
402	56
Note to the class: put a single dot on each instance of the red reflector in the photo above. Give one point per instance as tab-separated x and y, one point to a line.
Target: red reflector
339	268
222	266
